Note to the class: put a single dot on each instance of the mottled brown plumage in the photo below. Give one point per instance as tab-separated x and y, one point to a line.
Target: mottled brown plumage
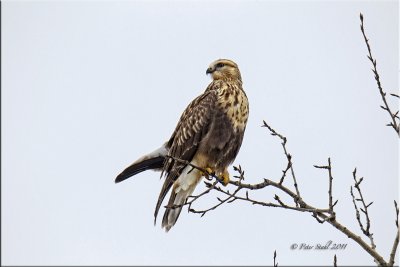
208	135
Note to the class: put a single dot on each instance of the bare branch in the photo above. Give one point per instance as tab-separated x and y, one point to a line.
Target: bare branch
377	257
364	228
289	164
289	159
329	168
320	214
397	213
395	121
396	240
395	95
394	248
229	199
275	261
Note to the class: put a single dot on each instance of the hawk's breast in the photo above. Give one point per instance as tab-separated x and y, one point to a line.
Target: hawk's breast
233	101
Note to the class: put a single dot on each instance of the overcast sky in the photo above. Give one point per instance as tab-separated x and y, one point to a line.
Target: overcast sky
88	87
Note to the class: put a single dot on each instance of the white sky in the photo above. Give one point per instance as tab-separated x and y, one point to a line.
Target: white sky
87	87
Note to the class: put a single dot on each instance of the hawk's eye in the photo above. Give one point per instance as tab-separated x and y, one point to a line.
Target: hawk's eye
220	65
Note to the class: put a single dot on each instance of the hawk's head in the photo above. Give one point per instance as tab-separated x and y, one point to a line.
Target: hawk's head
224	69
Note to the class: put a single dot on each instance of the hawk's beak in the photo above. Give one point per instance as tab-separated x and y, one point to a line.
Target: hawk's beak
209	70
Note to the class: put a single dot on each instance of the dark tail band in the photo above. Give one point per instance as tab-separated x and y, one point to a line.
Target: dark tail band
147	164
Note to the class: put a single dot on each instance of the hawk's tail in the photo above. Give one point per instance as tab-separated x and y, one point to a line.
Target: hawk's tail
152	161
181	190
174	208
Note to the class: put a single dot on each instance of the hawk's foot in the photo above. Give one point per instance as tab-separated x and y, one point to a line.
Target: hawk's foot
225	178
208	171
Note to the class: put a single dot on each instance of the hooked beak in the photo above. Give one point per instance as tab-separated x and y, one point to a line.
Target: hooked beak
209	70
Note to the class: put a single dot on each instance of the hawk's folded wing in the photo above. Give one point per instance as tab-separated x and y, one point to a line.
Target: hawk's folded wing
184	142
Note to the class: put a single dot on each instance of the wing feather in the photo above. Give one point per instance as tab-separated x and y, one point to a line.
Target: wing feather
184	142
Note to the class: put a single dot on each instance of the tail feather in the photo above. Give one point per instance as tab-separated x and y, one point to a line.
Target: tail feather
171	215
135	168
181	190
152	161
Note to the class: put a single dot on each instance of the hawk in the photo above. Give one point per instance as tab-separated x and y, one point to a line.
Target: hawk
208	135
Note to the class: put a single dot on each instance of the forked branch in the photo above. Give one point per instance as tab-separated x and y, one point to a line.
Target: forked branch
242	191
365	227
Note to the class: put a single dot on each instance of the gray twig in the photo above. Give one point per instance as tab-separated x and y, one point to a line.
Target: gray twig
330	194
396	240
289	159
393	115
275	261
364	209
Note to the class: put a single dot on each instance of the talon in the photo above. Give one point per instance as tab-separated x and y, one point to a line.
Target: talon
225	177
208	171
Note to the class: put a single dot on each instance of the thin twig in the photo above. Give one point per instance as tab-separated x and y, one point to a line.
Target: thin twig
289	164
229	199
394	248
194	198
395	95
330	194
394	123
397	213
396	240
275	261
365	229
289	159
